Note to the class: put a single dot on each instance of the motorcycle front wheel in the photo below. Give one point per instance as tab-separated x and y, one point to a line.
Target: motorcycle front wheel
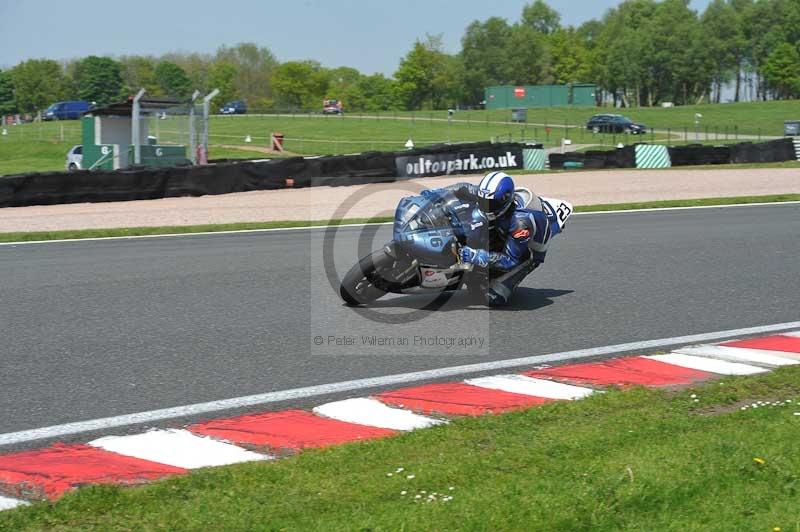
359	284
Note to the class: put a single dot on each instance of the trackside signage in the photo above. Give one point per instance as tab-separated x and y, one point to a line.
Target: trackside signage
471	161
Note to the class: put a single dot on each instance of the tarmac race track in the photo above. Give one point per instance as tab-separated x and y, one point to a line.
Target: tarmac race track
104	328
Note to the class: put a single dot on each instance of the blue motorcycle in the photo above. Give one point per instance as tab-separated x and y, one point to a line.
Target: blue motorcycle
424	252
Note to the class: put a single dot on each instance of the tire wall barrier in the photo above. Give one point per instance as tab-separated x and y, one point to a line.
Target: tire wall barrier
692	155
372	167
242	176
596	159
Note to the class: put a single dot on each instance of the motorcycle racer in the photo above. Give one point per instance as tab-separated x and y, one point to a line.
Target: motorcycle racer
513	241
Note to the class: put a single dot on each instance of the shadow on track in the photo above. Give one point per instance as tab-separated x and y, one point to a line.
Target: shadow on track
525	299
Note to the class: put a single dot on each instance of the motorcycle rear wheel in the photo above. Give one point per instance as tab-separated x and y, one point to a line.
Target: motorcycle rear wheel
358	285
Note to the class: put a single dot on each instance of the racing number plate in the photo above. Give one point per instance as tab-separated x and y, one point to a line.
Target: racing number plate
561	209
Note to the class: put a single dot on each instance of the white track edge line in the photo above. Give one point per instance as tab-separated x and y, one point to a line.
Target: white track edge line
177	235
66	429
316	227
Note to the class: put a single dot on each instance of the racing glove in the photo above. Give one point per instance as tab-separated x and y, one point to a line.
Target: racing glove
478	257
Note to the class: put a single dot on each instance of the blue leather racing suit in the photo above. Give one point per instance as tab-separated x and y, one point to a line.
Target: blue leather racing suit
509	248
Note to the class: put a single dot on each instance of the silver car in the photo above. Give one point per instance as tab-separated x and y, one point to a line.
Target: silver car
74	158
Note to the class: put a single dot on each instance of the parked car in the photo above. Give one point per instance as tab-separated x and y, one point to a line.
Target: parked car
75	158
65	111
236	107
332	107
615	124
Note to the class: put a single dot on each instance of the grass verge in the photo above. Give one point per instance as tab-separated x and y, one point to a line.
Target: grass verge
33	155
215	228
634	460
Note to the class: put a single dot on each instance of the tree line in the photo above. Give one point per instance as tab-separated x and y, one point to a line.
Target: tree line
640	53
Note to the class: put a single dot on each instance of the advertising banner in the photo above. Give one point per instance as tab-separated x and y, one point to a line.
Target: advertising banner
466	160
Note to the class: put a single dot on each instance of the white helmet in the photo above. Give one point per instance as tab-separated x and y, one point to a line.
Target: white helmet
495	194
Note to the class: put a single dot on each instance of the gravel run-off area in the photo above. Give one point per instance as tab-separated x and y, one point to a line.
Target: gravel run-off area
325	203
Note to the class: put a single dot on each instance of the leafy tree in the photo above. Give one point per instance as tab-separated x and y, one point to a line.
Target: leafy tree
427	76
254	70
7	104
764	28
345	86
782	71
98	79
196	66
173	80
139	72
590	32
677	72
528	57
570	61
379	93
485	56
300	84
723	41
37	84
625	55
541	17
222	76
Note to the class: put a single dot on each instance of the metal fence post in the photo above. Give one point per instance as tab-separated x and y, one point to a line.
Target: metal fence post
192	131
206	110
137	145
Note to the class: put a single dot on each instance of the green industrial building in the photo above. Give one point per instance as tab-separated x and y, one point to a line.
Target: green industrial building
526	96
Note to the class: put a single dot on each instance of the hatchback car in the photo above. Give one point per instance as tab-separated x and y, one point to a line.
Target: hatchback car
615	124
75	158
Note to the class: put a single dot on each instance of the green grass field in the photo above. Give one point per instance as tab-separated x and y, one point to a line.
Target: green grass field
688	460
752	118
32	155
42	146
17	157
